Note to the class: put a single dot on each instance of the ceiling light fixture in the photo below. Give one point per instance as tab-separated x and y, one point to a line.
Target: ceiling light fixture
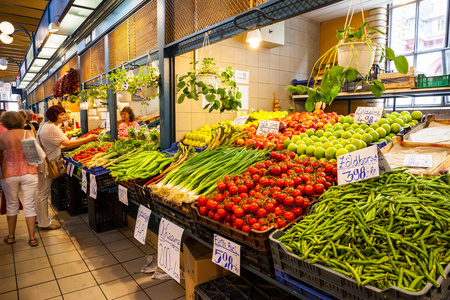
254	38
6	38
54	26
7	29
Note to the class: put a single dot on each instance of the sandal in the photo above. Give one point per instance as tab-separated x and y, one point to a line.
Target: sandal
51	227
9	240
33	242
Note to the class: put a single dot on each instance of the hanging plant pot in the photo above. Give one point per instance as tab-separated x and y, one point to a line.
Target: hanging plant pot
123	96
149	92
100	102
360	58
84	105
208	79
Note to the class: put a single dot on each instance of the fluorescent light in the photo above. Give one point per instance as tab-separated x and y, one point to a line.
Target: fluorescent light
47	52
34	69
55	40
254	38
73	19
7	27
29	76
6	38
38	62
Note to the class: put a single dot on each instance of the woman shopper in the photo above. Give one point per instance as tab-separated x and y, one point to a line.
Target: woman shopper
17	175
127	115
51	138
30	123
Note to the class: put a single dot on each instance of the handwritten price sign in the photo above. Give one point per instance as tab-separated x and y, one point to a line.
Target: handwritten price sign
123	194
227	254
421	161
71	169
169	243
93	187
240	120
265	127
83	181
368	115
361	165
140	229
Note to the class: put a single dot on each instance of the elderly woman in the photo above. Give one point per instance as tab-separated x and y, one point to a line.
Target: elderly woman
30	123
127	115
17	175
51	139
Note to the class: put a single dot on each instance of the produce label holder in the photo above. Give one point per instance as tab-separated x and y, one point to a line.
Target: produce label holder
361	165
84	181
140	230
169	245
421	161
368	115
265	127
123	194
72	166
93	187
240	120
227	254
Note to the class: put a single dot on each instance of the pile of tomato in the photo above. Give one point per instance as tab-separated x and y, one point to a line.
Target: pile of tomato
88	153
269	193
93	131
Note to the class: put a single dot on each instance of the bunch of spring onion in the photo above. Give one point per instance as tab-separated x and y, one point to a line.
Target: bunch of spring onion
199	174
225	134
143	165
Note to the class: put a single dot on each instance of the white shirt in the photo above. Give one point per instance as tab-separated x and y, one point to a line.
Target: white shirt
50	137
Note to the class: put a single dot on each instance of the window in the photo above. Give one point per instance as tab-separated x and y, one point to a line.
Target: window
419	32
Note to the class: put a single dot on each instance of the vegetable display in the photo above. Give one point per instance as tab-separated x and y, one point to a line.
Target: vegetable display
269	193
388	231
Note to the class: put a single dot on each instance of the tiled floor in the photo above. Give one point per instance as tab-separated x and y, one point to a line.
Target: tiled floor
77	263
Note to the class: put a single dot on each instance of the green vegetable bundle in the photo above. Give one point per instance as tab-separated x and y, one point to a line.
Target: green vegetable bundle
199	174
388	231
143	165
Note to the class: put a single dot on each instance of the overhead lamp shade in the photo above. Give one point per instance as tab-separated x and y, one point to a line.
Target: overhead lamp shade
3	62
6	38
2	67
1	84
53	27
254	37
7	27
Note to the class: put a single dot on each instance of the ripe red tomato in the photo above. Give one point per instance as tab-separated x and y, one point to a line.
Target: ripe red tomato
275	170
252	221
256	226
319	188
264	181
211	214
305	203
283	168
203	210
299	201
264	227
243	189
281	222
289	201
239	212
221	186
280	183
289	216
246	228
234	190
219	198
301	188
249	184
289	182
211	205
261	213
270	207
309	190
253	208
201	201
278	211
239	223
297	211
334	172
217	217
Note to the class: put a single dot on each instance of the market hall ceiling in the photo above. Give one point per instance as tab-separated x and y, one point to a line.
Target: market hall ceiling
26	13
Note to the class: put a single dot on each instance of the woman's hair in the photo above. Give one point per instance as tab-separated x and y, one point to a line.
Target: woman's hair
23	115
12	120
128	110
39	117
53	112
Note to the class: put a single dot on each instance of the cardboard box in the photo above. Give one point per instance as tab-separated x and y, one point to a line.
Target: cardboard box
198	267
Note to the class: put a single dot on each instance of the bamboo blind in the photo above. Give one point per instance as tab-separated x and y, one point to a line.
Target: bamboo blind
48	86
93	61
73	63
40	92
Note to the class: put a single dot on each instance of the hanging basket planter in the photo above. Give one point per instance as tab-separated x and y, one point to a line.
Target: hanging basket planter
123	96
84	105
357	55
149	92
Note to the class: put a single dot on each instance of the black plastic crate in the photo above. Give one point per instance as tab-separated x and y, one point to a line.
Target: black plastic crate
106	212
259	260
245	287
77	202
58	193
104	181
185	221
147	202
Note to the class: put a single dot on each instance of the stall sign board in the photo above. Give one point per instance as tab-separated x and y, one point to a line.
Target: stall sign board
169	245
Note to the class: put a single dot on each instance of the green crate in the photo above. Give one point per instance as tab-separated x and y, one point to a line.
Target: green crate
432	81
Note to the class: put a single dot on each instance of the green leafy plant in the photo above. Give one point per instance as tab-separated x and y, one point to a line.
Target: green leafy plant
148	76
97	92
225	96
334	76
117	79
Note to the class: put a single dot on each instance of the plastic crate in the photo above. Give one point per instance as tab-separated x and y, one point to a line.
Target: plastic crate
106	212
105	181
245	287
97	171
139	187
342	287
183	220
129	184
300	288
58	193
432	81
76	198
258	240
147	202
259	260
174	148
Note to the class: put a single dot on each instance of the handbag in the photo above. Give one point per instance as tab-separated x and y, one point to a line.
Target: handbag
33	152
56	168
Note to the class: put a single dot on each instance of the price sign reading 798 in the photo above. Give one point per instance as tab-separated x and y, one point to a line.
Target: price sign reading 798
227	254
358	165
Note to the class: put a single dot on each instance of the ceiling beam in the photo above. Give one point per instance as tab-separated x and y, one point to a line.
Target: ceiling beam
19	19
22	11
36	4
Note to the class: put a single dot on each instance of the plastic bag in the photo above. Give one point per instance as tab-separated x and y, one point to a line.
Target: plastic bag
150	266
34	154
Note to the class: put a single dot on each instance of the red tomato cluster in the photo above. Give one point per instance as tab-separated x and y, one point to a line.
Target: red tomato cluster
84	154
93	131
269	193
292	124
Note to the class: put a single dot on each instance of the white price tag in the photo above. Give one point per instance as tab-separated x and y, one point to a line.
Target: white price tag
368	115
240	120
68	168
421	161
227	254
361	165
83	181
123	194
140	230
108	122
265	127
169	244
93	187
72	167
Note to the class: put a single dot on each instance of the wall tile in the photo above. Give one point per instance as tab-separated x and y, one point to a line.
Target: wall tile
295	22
212	118
275	50
228	54
253	58
274	62
253	74
285	77
284	51
263	90
263	60
180	134
185	107
198	120
183	121
240	56
225	116
216	52
274	76
264	75
293	64
284	63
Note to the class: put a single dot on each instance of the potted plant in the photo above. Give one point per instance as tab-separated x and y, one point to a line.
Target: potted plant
355	51
218	87
149	81
97	94
82	98
120	84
